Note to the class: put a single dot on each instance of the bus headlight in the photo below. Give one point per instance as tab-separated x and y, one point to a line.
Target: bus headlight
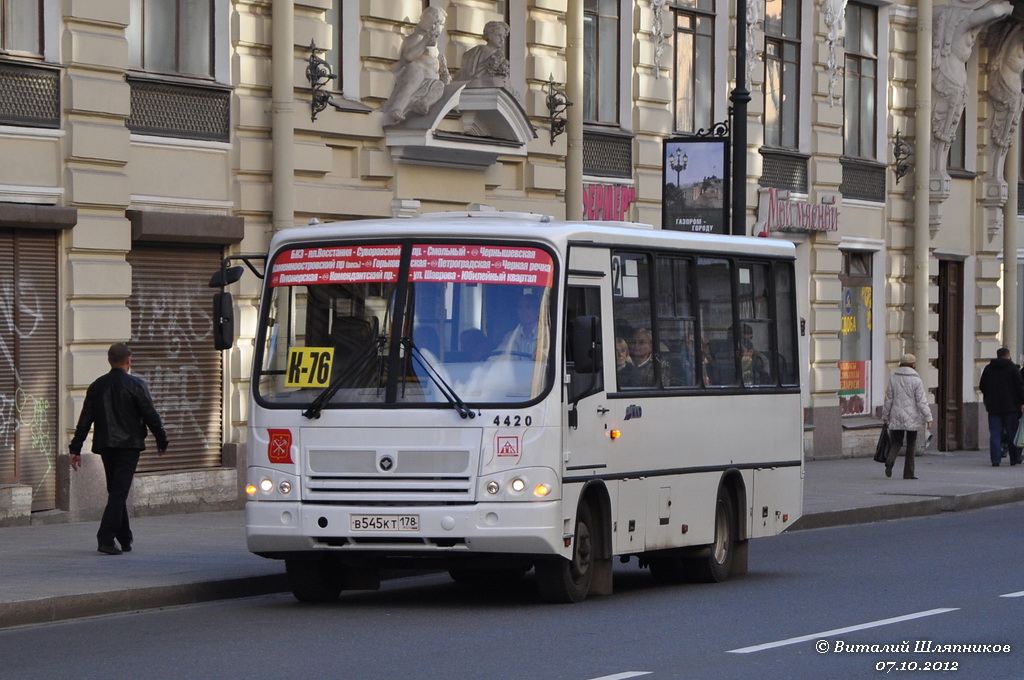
272	485
520	484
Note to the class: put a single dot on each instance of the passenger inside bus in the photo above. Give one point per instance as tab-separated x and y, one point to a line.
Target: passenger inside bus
651	370
521	341
754	363
625	370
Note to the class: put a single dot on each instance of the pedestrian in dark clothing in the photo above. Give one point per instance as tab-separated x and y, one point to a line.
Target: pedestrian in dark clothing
1003	390
905	411
121	408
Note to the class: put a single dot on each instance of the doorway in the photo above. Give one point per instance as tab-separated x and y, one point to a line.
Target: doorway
949	392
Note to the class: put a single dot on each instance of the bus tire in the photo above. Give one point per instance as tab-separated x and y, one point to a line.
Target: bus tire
317	580
568	581
716	566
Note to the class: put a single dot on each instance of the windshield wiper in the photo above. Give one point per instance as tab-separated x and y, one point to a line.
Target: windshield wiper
443	387
360	364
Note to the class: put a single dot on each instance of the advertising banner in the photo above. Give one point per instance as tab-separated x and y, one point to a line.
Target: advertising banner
695	186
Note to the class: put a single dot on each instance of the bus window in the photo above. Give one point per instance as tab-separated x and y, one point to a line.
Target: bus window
581	301
676	321
646	367
756	365
340	328
786	324
716	320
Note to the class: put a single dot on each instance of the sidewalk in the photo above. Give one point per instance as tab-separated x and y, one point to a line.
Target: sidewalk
50	572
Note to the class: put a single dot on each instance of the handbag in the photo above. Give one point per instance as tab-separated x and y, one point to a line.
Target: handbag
882	447
1018	439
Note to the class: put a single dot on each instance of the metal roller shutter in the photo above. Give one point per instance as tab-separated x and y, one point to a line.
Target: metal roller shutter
172	350
28	363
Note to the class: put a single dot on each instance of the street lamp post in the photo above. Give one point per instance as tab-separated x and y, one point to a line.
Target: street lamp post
678	163
740	97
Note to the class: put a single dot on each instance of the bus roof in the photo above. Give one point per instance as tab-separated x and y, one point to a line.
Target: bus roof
494	225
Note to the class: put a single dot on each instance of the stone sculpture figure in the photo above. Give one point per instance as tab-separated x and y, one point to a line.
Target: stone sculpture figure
956	29
486	65
1006	69
421	71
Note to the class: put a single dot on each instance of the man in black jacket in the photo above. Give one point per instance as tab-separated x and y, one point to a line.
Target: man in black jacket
121	408
1003	388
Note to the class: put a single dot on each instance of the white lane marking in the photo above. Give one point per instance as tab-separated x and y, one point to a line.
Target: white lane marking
623	676
840	631
1020	594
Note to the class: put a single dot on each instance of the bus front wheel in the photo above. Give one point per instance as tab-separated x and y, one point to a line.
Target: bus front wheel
316	580
568	581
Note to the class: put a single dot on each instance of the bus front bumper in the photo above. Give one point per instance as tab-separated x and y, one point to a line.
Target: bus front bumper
529	528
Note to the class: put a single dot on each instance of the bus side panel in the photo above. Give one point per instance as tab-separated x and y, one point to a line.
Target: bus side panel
777	500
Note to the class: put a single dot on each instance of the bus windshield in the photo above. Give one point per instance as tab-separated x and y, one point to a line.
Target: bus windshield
432	324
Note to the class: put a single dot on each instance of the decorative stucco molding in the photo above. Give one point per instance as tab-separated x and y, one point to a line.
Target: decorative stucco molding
658	33
835	15
755	13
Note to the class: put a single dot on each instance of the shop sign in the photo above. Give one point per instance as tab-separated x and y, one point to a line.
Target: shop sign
607	202
777	211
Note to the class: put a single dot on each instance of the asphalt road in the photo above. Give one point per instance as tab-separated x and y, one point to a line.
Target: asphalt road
942	594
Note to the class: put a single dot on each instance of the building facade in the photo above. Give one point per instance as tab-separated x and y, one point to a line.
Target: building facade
145	140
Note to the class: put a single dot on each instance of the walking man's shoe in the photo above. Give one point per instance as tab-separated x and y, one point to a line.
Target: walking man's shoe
110	550
126	546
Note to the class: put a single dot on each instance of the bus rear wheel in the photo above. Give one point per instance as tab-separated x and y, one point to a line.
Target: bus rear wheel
717	565
568	581
316	580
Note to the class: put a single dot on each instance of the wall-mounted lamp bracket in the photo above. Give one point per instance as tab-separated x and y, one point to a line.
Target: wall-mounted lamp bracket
557	103
719	129
318	73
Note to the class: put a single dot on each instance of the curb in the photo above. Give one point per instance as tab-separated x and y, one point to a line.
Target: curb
53	609
931	506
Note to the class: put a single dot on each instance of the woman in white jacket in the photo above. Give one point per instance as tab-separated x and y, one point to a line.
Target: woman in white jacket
905	411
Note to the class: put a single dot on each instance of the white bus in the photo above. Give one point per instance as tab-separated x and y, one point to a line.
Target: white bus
491	393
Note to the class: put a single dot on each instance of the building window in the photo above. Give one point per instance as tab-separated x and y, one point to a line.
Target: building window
958	148
601	61
855	334
694	65
860	111
171	36
336	20
782	73
21	22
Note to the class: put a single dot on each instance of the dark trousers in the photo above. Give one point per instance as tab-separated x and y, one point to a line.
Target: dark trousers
997	424
896	437
119	466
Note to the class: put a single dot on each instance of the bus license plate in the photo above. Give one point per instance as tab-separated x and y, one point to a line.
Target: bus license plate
384	522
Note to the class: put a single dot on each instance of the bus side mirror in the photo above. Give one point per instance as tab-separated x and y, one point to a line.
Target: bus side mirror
223	321
586	344
226	276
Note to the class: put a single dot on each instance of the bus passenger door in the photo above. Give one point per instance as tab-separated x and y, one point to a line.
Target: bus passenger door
585	404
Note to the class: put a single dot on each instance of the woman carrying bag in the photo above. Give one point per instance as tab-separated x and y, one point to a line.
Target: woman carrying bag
905	411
